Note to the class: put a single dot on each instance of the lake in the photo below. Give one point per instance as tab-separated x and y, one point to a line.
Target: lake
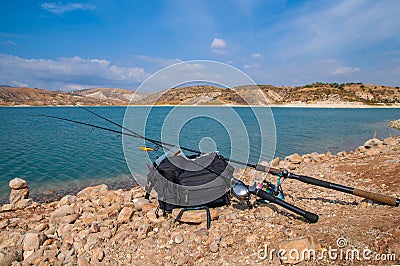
58	155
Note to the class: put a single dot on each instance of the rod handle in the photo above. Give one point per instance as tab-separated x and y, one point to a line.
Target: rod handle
389	200
312	217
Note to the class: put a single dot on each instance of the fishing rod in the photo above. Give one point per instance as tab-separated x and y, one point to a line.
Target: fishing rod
239	189
389	200
156	142
258	191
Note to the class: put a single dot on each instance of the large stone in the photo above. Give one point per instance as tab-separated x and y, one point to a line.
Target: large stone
9	255
65	230
283	164
7	207
82	261
395	124
362	149
275	162
265	212
292	166
63	215
24	203
31	242
294	158
6	259
374	142
390	141
92	192
149	206
293	250
139	203
41	227
18	194
195	216
93	238
372	152
125	215
4	223
97	254
151	215
17	183
67	200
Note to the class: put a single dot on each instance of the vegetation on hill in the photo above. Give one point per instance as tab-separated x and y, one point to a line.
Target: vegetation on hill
337	93
324	93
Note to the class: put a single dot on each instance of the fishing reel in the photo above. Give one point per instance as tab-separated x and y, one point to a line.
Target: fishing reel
275	190
243	192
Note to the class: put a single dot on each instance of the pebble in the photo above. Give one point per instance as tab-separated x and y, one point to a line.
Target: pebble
178	239
97	254
125	215
214	247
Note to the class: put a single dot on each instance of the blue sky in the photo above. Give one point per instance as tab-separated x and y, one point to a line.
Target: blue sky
66	45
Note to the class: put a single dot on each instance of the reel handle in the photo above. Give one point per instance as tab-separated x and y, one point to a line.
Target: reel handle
312	217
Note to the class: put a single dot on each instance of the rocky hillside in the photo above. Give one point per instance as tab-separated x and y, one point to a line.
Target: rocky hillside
334	93
111	94
205	95
316	93
100	226
39	97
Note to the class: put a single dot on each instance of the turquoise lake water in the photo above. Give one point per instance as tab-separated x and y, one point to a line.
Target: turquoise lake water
56	155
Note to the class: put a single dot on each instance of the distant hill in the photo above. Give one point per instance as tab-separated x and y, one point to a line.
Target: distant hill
316	93
40	97
334	93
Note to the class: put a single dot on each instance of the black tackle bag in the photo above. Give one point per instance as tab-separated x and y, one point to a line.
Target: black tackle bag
204	181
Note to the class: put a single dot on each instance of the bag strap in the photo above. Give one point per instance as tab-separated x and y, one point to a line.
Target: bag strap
195	209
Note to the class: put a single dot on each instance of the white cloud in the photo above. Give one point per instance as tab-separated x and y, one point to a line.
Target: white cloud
344	71
336	27
218	44
327	70
217	51
18	84
257	56
158	60
66	72
10	42
251	66
59	9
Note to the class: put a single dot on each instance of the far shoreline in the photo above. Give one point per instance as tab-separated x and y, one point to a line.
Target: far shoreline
289	105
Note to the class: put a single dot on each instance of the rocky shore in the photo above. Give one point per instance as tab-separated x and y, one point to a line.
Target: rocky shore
395	124
101	226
